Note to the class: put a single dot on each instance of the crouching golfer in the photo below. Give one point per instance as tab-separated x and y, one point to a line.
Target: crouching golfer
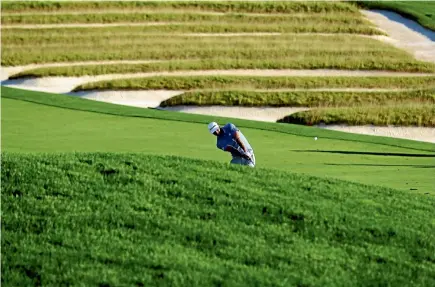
231	139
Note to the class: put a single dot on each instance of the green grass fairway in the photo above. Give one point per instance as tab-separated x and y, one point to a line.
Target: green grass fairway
30	127
421	11
134	220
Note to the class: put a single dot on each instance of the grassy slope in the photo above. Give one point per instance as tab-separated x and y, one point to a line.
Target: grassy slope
389	162
421	11
111	220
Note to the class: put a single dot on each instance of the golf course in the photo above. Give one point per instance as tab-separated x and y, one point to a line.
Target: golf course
109	176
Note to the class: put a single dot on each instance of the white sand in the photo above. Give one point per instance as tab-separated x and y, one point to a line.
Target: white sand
412	133
142	99
405	34
7	71
266	114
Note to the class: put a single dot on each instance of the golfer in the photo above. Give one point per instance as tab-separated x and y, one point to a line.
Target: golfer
231	139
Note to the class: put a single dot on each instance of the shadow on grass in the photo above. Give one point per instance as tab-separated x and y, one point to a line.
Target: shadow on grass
392	165
370	153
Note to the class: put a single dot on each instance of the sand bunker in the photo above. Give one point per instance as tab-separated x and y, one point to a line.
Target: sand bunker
405	34
9	71
412	133
267	114
142	99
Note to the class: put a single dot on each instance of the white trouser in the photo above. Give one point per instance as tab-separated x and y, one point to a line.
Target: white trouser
243	161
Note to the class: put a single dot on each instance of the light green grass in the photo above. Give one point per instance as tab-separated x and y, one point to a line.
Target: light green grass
129	219
226	82
421	11
81	126
414	114
300	98
304	51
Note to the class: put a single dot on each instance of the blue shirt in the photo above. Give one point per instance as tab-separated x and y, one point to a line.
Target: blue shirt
226	138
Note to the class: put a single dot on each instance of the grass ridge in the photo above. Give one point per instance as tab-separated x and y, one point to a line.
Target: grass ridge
259	227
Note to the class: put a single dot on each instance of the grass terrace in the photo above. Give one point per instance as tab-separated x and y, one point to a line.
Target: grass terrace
282	7
299	51
301	98
252	82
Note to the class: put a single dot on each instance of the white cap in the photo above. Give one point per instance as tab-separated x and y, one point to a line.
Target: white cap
212	127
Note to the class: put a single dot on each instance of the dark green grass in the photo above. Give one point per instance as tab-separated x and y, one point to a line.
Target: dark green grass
223	82
300	98
216	6
413	114
112	220
61	123
421	11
